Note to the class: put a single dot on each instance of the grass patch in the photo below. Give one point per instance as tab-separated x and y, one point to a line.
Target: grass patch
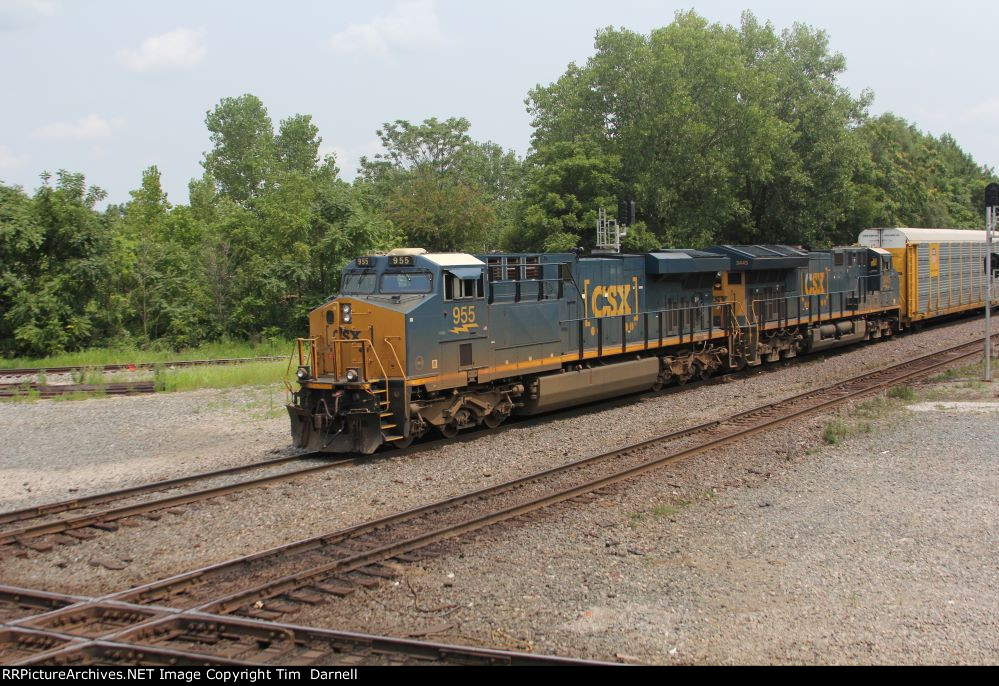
88	375
25	394
98	357
835	431
861	418
667	510
224	376
903	393
948	375
267	403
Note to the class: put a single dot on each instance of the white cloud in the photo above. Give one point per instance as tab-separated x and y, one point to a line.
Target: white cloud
90	128
19	14
9	160
412	24
178	49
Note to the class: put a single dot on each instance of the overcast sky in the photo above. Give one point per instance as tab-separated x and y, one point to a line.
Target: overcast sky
109	87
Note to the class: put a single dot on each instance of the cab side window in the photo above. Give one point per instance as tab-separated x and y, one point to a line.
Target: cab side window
471	288
462	289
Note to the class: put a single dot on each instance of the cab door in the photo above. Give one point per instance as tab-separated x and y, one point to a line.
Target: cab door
464	336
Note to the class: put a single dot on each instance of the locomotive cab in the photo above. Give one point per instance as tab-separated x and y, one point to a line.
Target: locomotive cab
356	369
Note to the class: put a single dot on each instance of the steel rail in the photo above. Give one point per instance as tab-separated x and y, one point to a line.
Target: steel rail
76	503
56	390
29	371
741	425
36	511
158	590
840	392
105	516
46	509
68	630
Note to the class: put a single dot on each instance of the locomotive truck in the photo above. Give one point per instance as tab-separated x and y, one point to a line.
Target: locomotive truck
418	342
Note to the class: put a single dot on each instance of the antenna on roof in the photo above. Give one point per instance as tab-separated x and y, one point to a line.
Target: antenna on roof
609	233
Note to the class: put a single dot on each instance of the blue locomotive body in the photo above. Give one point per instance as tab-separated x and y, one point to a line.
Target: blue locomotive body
418	342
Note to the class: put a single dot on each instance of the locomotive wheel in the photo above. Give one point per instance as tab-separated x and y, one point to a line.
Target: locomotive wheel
493	419
703	372
449	430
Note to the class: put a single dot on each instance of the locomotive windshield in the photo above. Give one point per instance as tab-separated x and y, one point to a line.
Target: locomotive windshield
405	282
359	283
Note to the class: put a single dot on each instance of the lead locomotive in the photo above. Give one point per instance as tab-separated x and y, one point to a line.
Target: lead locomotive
418	341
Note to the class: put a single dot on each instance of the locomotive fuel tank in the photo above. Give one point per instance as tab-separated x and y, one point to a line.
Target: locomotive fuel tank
418	342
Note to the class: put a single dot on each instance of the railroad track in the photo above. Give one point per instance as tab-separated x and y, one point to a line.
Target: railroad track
51	629
185	620
33	389
93	523
33	371
276	582
35	522
89	524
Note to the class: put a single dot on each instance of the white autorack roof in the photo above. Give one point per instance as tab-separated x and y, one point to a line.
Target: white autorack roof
899	238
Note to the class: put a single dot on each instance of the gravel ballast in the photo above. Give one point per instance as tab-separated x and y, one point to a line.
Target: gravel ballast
881	550
109	443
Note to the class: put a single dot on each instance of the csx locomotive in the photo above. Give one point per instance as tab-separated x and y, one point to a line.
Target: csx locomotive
417	341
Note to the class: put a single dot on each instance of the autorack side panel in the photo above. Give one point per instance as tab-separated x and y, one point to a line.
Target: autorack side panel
943	270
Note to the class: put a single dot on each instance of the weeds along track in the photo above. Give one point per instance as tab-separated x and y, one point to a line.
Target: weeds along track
34	371
44	391
38	529
38	628
271	583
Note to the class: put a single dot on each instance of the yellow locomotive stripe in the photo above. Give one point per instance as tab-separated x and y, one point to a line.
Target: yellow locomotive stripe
504	370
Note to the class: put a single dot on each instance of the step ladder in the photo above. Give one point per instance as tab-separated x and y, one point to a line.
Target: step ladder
386	417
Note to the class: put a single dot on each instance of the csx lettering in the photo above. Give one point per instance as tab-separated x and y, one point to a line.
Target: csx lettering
349	334
610	301
815	284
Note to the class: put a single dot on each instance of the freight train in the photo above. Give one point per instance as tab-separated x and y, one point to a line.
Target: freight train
418	342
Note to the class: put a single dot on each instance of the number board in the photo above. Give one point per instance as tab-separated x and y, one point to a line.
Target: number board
401	260
363	261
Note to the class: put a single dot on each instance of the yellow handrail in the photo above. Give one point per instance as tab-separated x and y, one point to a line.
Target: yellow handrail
365	342
301	362
402	370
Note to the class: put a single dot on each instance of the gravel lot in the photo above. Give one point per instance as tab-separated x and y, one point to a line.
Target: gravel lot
880	550
54	449
741	556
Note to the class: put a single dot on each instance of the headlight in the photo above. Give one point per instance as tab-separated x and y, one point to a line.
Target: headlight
302	373
352	375
345	313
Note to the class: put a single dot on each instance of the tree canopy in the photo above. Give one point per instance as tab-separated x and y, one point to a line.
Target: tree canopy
739	134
